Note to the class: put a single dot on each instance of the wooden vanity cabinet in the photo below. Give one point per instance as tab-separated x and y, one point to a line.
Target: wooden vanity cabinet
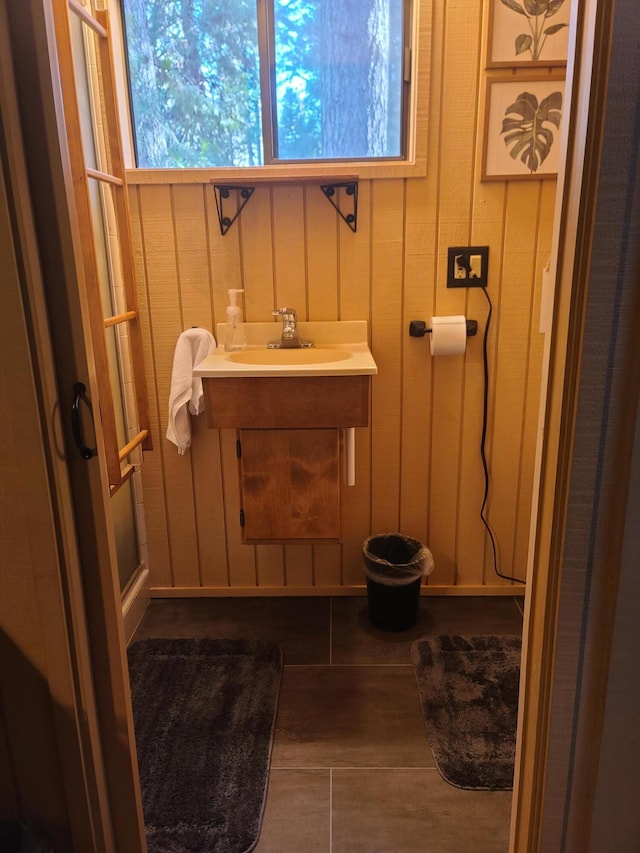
289	449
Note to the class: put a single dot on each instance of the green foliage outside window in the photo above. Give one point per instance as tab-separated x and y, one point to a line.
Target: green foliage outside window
194	69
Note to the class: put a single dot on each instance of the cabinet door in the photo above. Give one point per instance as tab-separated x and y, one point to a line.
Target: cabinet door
290	481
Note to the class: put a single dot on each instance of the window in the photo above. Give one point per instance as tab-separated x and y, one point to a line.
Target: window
252	82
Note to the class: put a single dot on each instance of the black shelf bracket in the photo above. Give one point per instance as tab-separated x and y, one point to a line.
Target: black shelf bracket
342	195
338	199
222	193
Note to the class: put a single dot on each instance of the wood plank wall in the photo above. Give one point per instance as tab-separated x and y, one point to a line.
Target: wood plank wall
419	469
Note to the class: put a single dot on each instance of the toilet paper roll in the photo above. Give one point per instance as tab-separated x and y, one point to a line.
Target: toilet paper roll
448	335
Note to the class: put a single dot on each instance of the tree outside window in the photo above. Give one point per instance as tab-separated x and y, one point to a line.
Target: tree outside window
335	82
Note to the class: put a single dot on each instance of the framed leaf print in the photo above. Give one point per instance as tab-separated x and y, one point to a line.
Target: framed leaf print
528	33
523	120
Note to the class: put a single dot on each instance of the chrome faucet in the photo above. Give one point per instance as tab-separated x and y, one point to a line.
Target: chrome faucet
290	337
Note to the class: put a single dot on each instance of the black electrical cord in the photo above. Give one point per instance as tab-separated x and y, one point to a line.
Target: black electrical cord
483	455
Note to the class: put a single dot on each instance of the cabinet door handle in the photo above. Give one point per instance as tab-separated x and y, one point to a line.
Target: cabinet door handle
79	395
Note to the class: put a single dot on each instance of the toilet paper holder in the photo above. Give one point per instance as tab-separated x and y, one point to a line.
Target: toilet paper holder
418	328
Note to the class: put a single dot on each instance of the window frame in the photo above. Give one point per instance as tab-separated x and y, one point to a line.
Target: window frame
269	104
415	113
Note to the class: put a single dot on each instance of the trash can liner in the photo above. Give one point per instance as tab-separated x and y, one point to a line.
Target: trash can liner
395	560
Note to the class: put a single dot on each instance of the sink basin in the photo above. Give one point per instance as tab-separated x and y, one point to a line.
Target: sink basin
314	355
341	350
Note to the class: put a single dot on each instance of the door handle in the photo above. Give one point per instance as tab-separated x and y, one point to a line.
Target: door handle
79	396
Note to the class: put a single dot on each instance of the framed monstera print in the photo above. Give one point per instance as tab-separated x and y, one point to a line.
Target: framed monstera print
523	121
529	33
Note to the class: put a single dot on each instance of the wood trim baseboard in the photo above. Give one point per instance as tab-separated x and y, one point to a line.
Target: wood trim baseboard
135	601
287	591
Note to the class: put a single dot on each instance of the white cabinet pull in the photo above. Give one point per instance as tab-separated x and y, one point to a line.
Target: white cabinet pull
350	455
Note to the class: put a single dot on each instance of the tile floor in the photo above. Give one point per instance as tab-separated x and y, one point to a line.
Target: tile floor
351	768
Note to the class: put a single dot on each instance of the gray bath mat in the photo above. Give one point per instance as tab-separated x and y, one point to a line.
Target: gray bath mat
204	713
469	692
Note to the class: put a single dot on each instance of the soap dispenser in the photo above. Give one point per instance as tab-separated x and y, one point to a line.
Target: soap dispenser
234	338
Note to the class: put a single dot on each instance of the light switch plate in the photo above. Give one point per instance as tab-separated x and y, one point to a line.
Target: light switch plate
467	266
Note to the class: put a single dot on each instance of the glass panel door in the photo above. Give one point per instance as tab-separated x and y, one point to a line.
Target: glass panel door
109	276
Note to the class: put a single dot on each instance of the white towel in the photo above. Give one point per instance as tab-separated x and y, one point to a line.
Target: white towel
192	347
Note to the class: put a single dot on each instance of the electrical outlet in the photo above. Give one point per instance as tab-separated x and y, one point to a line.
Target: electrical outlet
475	266
461	267
467	266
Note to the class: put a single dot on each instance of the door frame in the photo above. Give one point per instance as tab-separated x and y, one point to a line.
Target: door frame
588	443
570	373
94	617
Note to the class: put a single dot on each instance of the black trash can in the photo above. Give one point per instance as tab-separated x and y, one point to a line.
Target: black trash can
394	566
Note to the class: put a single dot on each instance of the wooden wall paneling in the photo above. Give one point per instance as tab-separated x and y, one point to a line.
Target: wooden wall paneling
270	565
152	469
289	248
521	222
156	207
225	263
206	470
192	254
323	224
298	563
225	271
533	383
445	465
487	229
194	277
458	109
419	290
327	561
492	194
471	532
256	236
387	271
421	240
490	564
354	260
241	558
209	503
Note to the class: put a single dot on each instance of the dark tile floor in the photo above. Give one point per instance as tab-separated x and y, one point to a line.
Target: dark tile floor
351	768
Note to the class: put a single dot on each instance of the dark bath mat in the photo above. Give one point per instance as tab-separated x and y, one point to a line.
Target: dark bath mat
469	692
204	713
